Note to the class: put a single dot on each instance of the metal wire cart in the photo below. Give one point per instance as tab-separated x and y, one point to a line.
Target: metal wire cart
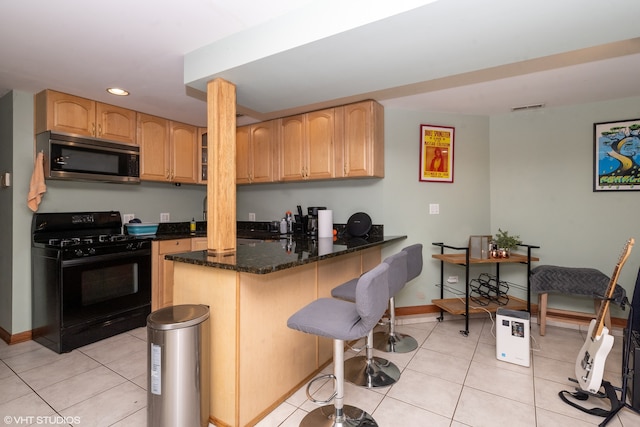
487	291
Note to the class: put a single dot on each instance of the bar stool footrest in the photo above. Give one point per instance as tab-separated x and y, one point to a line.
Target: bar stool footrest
322	377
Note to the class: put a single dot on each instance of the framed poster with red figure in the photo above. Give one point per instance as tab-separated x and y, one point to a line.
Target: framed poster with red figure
436	153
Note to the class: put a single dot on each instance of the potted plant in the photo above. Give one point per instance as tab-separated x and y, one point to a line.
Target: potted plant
506	242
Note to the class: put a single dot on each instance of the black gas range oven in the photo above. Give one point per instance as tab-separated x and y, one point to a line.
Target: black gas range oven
89	281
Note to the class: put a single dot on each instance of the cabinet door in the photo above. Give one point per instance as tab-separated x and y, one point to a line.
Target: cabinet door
203	154
184	153
255	152
261	144
199	244
292	153
164	297
243	155
363	139
153	137
65	113
115	123
319	144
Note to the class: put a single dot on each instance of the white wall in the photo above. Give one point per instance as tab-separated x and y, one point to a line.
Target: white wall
529	173
542	189
146	200
399	201
6	211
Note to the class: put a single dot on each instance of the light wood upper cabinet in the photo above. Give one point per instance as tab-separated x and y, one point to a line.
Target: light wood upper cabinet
308	146
292	153
363	140
115	123
153	137
183	142
168	150
203	154
255	152
61	112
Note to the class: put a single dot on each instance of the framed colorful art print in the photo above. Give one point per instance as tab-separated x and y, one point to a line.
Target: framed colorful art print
436	153
616	156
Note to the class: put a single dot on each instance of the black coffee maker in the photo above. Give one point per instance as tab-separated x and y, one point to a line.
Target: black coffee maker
312	220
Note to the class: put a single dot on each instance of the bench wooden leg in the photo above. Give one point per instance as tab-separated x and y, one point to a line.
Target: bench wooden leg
542	312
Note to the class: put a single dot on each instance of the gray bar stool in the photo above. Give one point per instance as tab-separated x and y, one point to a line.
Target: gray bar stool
371	371
392	341
343	321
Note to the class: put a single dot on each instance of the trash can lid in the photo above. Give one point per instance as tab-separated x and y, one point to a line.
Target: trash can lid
178	316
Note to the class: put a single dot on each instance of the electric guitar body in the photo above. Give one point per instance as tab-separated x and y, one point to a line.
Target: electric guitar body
593	354
591	359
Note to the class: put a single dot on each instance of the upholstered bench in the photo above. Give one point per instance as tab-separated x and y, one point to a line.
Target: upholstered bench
587	282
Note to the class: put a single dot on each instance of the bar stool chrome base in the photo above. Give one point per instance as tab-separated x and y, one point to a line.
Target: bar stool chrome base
325	416
370	373
394	343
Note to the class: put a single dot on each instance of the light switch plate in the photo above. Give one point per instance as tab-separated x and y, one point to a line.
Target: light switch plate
434	209
252	216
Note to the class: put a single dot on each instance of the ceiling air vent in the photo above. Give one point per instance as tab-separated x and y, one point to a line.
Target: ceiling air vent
528	107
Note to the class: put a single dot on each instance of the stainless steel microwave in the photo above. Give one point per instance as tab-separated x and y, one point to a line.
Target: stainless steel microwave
74	158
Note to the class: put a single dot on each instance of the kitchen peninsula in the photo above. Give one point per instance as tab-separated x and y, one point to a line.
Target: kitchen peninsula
256	361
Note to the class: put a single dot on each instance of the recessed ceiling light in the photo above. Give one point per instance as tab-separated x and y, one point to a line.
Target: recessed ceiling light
117	91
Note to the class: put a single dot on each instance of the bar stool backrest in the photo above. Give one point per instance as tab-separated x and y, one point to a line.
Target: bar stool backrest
414	261
397	271
372	296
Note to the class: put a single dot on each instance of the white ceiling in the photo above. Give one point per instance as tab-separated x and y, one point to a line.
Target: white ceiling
462	56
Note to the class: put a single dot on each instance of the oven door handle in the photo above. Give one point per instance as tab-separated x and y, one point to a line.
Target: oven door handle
139	253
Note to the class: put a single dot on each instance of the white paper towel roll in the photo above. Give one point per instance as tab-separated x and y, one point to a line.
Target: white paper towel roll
325	245
325	223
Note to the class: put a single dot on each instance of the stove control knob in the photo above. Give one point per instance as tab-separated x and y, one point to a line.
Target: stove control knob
92	251
131	246
79	252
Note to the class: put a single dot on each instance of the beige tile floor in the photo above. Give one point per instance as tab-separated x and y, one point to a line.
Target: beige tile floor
450	380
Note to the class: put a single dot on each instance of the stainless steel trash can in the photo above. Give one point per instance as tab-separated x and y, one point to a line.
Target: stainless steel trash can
178	366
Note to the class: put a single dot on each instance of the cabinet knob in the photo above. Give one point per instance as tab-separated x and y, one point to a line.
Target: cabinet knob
93	129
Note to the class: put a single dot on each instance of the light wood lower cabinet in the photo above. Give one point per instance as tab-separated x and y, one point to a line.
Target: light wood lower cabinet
162	270
256	360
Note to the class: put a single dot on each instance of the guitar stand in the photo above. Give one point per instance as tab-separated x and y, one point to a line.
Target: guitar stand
610	391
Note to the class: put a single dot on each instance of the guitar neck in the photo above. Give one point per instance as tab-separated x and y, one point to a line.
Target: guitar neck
597	330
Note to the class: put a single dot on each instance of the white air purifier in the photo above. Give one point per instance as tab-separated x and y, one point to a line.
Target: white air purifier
512	336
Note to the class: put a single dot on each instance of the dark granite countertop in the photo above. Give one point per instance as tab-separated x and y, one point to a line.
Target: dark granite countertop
264	257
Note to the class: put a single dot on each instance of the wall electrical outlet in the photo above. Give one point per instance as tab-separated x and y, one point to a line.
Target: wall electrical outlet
252	216
165	217
127	217
434	209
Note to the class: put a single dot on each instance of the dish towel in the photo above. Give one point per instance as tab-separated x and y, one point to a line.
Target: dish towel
37	187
